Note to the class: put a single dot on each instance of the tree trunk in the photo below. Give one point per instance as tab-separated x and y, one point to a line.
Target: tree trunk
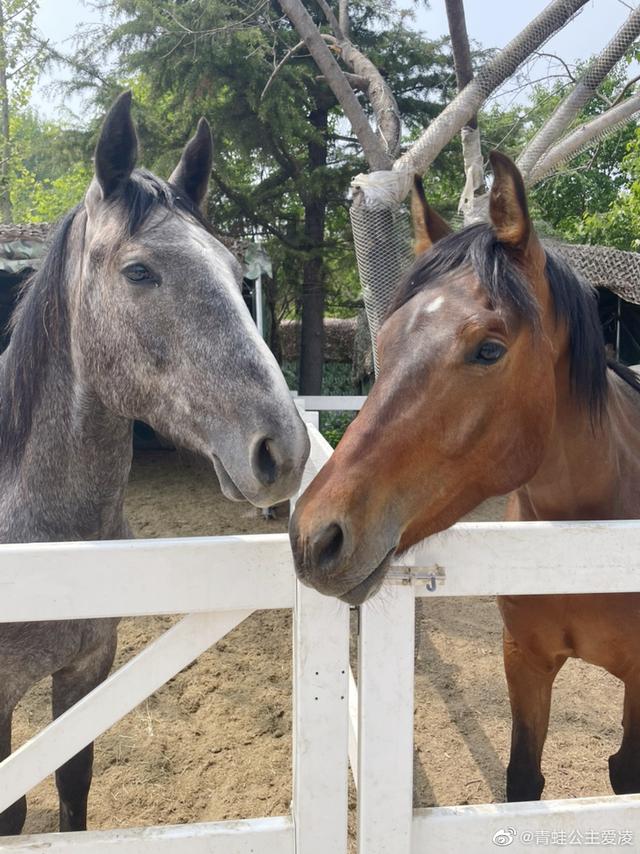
471	150
6	212
460	47
315	206
271	292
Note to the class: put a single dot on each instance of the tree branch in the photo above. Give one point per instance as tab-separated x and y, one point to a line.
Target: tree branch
460	44
383	102
583	137
569	72
331	18
372	147
625	89
345	24
291	52
357	81
250	213
570	106
456	114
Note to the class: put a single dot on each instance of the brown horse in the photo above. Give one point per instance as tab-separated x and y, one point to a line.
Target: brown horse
493	380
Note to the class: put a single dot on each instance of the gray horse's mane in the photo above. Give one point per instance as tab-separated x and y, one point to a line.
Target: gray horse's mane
41	319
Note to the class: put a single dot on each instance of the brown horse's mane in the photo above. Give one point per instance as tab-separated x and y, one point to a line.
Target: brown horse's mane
574	300
41	319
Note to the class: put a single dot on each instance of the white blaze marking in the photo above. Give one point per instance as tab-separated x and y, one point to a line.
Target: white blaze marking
435	304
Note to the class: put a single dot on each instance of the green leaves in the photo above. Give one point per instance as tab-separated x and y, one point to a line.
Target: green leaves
49	169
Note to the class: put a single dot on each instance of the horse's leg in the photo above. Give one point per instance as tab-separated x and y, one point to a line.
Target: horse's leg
11	819
624	766
530	696
73	779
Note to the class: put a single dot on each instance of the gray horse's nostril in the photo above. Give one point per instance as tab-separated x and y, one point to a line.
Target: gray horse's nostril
264	463
327	545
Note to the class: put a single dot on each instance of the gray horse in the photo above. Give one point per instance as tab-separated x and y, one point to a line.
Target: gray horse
136	313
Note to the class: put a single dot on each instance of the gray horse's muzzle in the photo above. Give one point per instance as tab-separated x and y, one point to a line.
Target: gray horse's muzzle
268	469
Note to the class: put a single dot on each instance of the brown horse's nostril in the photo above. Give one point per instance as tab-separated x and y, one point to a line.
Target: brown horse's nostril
264	462
327	546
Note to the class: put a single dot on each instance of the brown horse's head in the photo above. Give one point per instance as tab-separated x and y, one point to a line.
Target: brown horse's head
480	337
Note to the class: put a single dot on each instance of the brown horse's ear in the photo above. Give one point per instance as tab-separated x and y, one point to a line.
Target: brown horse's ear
428	225
508	207
117	148
191	175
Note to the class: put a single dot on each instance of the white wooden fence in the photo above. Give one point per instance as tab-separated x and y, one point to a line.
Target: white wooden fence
217	582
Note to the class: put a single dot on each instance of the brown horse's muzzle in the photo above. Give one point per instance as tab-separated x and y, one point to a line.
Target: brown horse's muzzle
331	552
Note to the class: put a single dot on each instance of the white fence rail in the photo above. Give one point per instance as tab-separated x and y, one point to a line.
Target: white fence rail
217	582
255	836
333	403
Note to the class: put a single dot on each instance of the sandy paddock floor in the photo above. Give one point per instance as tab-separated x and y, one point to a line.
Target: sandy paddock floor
214	743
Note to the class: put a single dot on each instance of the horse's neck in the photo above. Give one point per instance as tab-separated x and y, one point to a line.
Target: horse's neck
591	469
68	479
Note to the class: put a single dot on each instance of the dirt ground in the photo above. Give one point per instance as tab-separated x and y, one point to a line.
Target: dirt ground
215	742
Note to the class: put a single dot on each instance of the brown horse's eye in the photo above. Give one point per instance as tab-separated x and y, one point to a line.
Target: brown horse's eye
138	274
488	353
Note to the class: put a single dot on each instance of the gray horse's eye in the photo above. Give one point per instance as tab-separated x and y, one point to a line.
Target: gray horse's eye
138	274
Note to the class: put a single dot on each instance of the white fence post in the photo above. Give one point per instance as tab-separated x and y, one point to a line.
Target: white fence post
320	706
320	725
385	740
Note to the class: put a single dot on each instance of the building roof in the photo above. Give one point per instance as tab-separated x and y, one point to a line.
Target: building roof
22	246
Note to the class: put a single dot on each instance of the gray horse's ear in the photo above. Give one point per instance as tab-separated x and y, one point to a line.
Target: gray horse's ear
508	208
428	225
191	175
117	148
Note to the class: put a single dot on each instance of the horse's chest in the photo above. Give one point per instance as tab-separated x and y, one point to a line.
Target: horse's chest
31	651
602	629
59	513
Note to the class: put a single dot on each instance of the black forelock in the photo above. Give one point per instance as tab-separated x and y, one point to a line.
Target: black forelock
575	302
476	247
144	192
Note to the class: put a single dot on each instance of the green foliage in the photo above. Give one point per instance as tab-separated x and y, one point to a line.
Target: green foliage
22	52
215	59
290	373
337	379
618	223
49	171
583	190
48	200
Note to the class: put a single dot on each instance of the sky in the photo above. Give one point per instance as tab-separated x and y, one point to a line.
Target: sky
491	23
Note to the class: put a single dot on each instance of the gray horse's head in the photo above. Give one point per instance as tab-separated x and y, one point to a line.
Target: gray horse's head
160	329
